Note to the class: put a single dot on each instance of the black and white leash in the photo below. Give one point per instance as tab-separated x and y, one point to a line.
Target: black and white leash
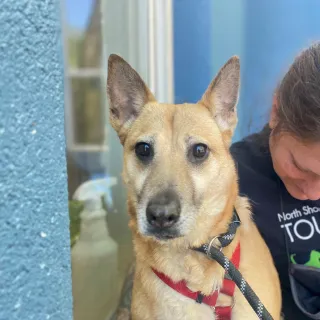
214	253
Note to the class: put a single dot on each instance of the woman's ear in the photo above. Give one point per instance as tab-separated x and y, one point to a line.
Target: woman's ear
273	121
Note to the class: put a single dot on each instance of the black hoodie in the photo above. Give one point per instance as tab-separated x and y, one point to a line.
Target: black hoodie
300	219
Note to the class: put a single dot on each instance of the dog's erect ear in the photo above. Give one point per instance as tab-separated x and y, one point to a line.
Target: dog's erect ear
127	94
221	97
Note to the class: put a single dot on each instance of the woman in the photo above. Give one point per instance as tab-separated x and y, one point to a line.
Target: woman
279	171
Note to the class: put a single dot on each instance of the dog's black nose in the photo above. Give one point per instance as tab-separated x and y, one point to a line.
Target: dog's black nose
163	211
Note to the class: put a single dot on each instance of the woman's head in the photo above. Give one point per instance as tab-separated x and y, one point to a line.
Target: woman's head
295	125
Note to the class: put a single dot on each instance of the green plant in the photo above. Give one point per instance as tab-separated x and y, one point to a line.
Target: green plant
75	208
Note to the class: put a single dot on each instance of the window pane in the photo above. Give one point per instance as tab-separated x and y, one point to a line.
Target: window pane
101	245
88	110
83	32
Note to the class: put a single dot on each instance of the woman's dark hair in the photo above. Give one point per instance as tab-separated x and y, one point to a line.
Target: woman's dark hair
298	97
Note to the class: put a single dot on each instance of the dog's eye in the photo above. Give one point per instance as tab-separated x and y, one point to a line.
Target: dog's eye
199	150
198	153
144	151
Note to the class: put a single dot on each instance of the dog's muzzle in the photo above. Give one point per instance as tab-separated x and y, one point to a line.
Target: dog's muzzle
163	213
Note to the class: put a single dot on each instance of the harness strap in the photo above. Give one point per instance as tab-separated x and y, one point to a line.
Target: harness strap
182	288
228	288
216	255
224	313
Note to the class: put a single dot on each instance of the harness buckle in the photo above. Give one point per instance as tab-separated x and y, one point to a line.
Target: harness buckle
219	247
200	298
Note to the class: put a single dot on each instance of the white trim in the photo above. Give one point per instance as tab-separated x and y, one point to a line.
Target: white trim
169	48
161	49
152	42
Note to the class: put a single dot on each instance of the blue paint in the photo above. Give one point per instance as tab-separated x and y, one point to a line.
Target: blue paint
35	276
227	35
192	48
228	40
206	35
275	32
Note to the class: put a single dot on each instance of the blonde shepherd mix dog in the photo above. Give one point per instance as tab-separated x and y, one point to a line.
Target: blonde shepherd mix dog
182	189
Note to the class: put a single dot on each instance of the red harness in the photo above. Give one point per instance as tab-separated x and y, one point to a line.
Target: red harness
228	287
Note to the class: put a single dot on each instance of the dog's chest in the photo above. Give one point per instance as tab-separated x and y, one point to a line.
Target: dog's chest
173	305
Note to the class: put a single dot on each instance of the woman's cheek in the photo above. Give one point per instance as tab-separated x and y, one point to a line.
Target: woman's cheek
288	169
293	172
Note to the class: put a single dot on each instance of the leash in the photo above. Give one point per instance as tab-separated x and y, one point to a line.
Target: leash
215	253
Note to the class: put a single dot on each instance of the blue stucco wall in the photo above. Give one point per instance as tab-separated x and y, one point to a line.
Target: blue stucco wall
35	278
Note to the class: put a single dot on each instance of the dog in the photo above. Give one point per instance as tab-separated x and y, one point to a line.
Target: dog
182	191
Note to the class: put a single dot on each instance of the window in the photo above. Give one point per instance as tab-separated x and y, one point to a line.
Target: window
85	101
93	29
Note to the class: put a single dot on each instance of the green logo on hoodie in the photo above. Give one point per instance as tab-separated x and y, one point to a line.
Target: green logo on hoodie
314	259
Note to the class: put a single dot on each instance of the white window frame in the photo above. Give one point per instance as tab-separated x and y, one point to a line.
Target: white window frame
160	26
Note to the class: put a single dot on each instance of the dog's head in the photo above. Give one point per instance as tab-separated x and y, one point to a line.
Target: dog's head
177	164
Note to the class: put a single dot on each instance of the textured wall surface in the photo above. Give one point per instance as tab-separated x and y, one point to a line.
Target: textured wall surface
35	279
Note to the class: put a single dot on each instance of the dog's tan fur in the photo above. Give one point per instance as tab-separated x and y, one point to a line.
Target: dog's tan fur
208	194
